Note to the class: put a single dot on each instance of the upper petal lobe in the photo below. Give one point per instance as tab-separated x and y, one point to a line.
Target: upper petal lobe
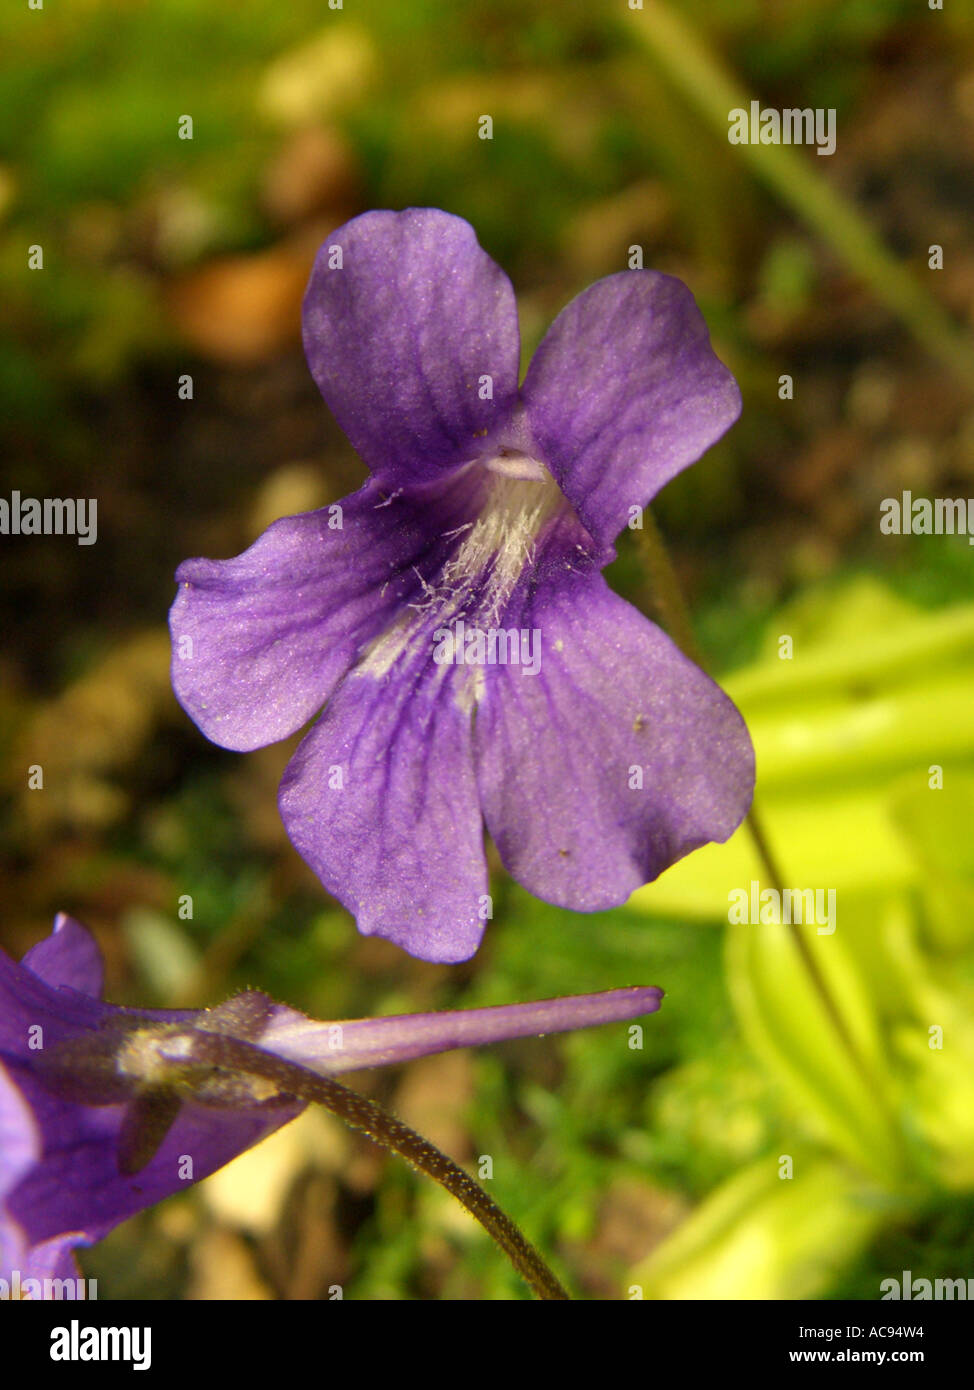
625	391
401	335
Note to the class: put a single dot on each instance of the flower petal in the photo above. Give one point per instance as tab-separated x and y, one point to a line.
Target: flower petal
78	1186
21	1148
29	1002
53	1260
401	334
60	1180
614	703
19	1138
625	391
332	1048
381	800
260	641
69	956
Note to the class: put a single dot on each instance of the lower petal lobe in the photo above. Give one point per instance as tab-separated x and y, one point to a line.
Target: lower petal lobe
381	800
78	1186
619	757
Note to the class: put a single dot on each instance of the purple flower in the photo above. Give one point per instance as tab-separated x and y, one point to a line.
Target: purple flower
104	1111
473	665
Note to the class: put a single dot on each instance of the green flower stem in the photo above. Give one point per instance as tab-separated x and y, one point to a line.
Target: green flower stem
674	616
236	1055
699	74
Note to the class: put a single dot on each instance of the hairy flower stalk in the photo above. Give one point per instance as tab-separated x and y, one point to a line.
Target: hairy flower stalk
105	1111
239	1059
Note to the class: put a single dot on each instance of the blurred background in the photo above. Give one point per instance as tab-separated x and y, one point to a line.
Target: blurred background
659	1168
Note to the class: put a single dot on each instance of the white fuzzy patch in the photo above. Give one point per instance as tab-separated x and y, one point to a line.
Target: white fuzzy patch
147	1055
477	581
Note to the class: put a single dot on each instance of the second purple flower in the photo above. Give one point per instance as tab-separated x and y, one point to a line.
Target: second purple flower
450	617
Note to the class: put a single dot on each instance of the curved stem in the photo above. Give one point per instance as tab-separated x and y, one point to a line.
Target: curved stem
675	617
692	66
390	1133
